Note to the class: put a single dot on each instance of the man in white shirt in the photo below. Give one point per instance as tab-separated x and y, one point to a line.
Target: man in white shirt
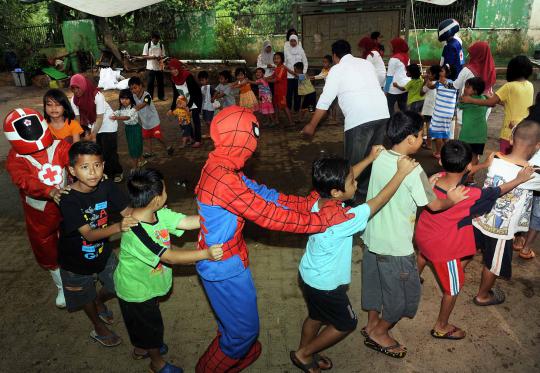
153	52
363	103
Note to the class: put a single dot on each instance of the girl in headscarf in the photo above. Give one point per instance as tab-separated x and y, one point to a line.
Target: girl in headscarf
94	113
183	83
371	52
397	75
265	60
295	53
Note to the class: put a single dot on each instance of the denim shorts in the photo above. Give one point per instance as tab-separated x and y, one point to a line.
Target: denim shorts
80	290
535	215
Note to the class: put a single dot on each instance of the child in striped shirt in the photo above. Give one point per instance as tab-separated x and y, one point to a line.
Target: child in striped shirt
445	106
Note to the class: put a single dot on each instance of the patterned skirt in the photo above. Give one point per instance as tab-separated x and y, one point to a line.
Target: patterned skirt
248	100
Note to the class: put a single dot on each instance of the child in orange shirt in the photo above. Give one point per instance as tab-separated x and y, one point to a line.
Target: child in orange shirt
60	117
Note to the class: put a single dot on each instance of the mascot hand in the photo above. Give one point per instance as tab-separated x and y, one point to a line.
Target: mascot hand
333	213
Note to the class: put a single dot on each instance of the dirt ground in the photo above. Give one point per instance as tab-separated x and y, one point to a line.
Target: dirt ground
37	337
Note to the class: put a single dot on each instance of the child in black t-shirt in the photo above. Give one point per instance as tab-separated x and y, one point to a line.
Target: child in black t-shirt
83	250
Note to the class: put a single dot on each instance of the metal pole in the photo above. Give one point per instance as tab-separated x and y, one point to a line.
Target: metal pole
416	35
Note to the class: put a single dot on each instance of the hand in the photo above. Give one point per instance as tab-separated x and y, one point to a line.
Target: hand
434	178
91	137
457	194
405	165
56	194
525	174
215	252
169	112
113	117
465	99
128	222
375	151
395	85
511	125
308	131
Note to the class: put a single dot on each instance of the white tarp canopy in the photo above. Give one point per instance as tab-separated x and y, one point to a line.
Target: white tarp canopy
438	2
107	8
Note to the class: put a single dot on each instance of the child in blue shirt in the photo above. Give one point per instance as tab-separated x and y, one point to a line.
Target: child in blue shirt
325	268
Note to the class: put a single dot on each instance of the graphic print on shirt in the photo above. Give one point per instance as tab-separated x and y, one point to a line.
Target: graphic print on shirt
504	207
163	236
97	218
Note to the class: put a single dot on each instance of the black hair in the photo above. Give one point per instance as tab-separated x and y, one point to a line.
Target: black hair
328	58
134	80
534	111
60	97
435	70
299	66
414	71
341	47
328	174
447	69
240	70
519	67
281	55
375	34
290	32
403	124
126	93
155	35
226	74
527	131
260	69
455	156
83	148
203	75
477	84
143	184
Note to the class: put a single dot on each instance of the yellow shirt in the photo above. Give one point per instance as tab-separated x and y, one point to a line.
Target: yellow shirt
516	97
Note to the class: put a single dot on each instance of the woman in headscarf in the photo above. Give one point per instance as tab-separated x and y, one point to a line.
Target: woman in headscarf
183	83
371	52
295	53
94	114
397	74
265	60
290	32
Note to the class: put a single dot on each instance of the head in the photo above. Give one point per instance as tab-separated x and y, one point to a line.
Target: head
27	131
526	138
399	45
534	111
433	72
135	85
367	44
156	37
279	58
405	128
259	73
267	46
340	48
240	73
181	102
298	67
86	163
224	77
456	157
413	71
290	32
327	61
125	98
146	189
377	36
445	72
78	85
176	67
447	29
474	87
519	68
203	77
333	178
293	41
56	105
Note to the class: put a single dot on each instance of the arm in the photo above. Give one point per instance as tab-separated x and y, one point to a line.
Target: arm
195	94
305	62
189	223
97	124
524	175
76	137
454	195
491	101
364	163
175	96
399	87
214	252
26	180
328	95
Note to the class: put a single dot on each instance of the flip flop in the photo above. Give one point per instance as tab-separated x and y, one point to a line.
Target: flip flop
447	335
325	360
102	338
529	255
386	350
106	316
497	297
162	351
303	367
364	332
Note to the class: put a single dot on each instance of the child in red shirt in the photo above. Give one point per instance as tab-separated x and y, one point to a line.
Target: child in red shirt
446	238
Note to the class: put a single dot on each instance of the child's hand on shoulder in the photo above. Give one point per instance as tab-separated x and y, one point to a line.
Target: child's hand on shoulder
113	117
56	194
215	252
465	99
375	151
405	165
457	194
127	223
525	174
434	178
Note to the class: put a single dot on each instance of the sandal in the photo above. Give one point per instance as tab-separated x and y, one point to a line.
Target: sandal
325	360
447	335
364	332
386	350
497	297
528	255
106	316
303	367
518	243
162	351
103	338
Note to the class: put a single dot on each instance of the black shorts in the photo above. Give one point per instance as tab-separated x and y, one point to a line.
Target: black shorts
427	119
497	253
309	102
330	307
143	323
477	148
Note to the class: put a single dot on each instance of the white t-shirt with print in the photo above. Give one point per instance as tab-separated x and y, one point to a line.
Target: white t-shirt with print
102	107
156	50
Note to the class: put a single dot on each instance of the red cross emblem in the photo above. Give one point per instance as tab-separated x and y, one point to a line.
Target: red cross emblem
27	122
50	174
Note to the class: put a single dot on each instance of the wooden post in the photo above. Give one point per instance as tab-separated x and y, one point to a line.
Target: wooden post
407	17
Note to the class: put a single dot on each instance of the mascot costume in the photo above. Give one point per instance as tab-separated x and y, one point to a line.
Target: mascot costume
225	198
452	52
37	165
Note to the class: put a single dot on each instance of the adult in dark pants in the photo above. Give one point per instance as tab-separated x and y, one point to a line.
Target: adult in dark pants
293	54
354	82
183	83
154	52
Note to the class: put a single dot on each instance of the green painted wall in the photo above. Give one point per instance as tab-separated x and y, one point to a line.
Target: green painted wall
80	35
503	13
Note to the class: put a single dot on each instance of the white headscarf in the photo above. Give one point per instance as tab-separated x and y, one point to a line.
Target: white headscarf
294	50
266	57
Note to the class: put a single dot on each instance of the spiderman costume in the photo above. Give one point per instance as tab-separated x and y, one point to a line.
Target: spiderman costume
225	198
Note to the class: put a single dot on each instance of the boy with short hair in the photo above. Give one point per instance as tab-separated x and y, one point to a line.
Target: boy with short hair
455	225
325	268
415	95
390	281
148	116
83	250
511	214
207	93
143	273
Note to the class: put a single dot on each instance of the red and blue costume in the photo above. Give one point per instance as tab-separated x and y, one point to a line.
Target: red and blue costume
225	198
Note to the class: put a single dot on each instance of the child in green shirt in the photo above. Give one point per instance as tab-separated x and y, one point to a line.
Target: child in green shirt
474	122
143	273
415	94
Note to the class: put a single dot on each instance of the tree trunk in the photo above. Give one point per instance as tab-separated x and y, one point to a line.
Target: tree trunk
108	39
